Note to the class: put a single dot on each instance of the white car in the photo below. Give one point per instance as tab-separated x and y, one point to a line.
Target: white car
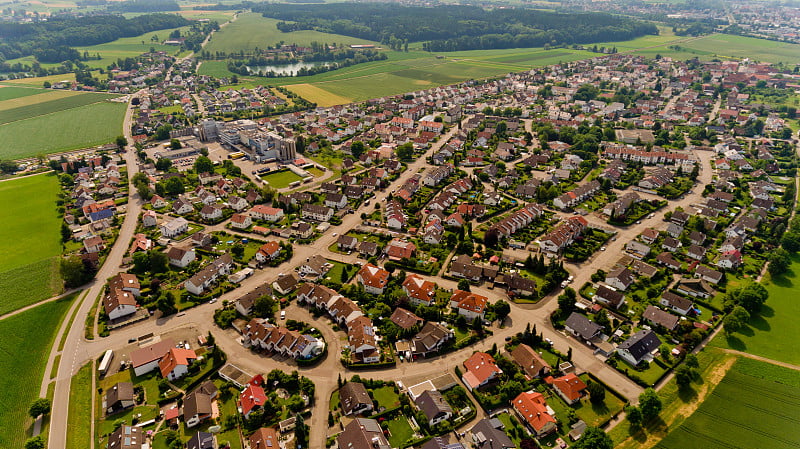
335	234
283	314
602	248
549	342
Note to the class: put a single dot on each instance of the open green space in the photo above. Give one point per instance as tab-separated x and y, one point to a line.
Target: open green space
80	409
755	405
773	332
39	80
746	47
29	241
281	179
21	374
79	127
252	30
50	107
400	430
12	92
130	47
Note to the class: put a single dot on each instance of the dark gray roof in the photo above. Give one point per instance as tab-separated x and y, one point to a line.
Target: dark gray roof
352	395
201	440
641	343
490	432
582	326
660	317
432	404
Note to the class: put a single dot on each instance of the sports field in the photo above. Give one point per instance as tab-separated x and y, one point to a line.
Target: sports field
21	372
774	332
755	405
251	30
280	179
29	241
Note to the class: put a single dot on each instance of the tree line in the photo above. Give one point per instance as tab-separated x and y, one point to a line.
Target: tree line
451	28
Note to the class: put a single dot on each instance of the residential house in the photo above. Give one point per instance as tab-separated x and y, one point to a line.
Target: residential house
488	433
146	359
202	440
431	338
268	251
362	340
175	363
580	326
660	317
419	291
405	319
708	274
315	267
118	398
266	213
530	361
676	303
264	438
469	305
374	279
286	284
695	287
398	249
531	408
252	398
434	407
621	278
180	257
481	369
609	297
201	281
174	227
354	399
316	212
362	433
119	303
570	387
640	346
241	221
127	437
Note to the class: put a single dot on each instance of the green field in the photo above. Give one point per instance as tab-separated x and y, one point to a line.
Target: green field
12	92
49	105
755	405
130	47
29	241
774	331
25	342
80	409
727	45
80	127
251	30
281	179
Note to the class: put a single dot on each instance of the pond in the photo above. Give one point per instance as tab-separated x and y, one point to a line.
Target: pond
285	69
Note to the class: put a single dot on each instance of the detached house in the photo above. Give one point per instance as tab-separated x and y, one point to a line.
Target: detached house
481	368
419	291
530	361
531	408
639	347
469	305
570	387
374	279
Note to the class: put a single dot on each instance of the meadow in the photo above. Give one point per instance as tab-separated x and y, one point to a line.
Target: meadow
69	129
20	376
251	30
130	47
755	405
29	241
773	332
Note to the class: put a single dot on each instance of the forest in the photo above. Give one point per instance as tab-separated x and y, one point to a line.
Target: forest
454	28
18	40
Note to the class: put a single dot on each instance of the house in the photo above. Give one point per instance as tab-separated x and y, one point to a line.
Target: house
649	236
180	257
530	361
431	338
241	221
730	260
488	433
362	339
405	319
252	398
238	203
661	318
374	279
639	347
118	398
346	243
399	249
266	213
149	219
146	359
354	399
202	440
419	291
126	437
696	252
531	408
336	200
519	285
286	284
621	278
367	248
201	281
708	274
315	267
434	407
609	297
570	387
198	404
362	433
264	438
637	249
268	251
442	442
211	212
671	244
182	207
469	305
93	244
317	212
201	239
119	303
676	303
643	269
580	326
174	227
481	368
695	287
245	303
175	363
669	261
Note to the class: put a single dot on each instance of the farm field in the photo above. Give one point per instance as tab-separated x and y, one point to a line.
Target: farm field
251	30
778	318
20	377
29	241
69	129
39	80
47	102
746	47
755	405
8	93
129	47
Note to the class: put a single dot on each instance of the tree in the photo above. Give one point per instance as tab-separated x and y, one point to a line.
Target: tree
301	433
750	296
405	151
121	142
566	303
597	394
40	406
8	167
684	376
791	241
779	262
237	250
463	284
357	149
159	262
594	438
501	310
36	442
75	272
490	238
650	404
162	132
163	164
634	416
203	165
264	307
166	303
691	361
174	186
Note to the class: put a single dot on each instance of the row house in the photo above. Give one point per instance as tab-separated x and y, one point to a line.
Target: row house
563	235
198	283
578	195
261	334
518	220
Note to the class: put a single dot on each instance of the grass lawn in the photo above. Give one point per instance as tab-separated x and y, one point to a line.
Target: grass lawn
386	397
511	422
595	414
755	405
80	409
20	377
335	273
399	430
29	241
79	127
746	47
778	318
251	30
281	179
